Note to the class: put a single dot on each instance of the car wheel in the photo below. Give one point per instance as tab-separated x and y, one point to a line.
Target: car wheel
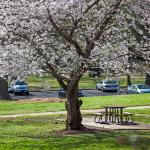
81	95
63	96
96	87
15	93
103	90
60	96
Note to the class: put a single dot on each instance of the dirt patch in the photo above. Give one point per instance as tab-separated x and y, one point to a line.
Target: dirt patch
84	131
41	100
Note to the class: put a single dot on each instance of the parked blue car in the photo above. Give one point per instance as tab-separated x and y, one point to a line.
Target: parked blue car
62	93
138	88
19	87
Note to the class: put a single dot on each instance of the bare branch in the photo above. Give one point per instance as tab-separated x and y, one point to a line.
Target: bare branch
75	24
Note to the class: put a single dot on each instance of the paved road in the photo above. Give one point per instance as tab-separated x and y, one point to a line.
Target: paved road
54	94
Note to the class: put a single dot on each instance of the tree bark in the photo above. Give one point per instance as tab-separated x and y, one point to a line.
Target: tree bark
73	104
4	95
147	79
128	80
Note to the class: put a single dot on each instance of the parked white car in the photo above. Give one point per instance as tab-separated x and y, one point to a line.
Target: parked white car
138	88
108	85
19	87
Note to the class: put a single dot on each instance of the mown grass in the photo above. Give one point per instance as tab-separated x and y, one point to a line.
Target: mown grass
117	100
41	133
36	82
139	111
142	119
14	107
86	82
140	115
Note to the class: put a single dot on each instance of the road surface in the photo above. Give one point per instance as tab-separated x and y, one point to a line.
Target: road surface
54	94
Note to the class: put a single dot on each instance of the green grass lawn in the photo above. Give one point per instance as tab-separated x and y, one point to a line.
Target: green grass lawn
86	82
142	119
144	116
140	111
36	82
13	107
117	100
41	133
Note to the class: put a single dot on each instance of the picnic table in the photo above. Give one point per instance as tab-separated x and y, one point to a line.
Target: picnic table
113	114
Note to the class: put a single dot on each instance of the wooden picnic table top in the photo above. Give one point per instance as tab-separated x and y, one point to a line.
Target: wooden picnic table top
114	106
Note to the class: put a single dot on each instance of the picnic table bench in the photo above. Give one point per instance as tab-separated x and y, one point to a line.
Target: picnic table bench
113	114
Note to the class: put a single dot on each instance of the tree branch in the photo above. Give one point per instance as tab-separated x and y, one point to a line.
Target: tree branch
65	35
93	4
75	24
102	27
55	75
106	20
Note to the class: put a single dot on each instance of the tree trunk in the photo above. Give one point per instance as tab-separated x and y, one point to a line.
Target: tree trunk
73	104
129	80
147	79
4	95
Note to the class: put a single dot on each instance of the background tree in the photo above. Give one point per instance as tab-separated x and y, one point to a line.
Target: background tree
131	30
4	89
140	30
147	79
14	64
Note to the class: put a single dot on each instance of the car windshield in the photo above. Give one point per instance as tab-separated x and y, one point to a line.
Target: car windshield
20	83
110	82
61	89
142	86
